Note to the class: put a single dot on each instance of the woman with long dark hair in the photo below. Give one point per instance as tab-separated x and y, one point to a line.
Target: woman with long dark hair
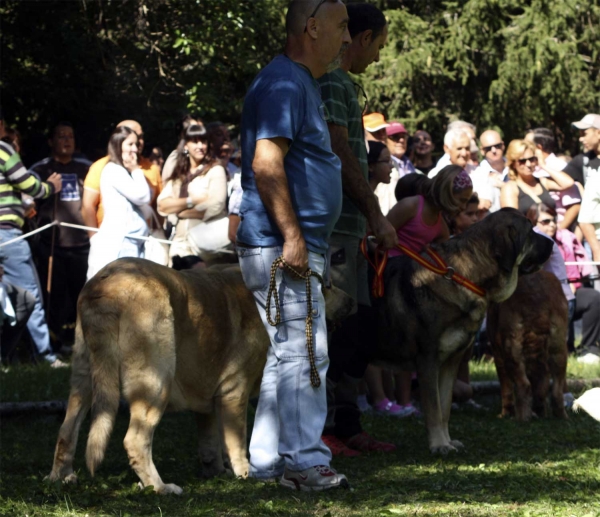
124	192
194	200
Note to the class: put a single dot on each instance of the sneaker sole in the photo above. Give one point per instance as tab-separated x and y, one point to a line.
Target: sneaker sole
294	485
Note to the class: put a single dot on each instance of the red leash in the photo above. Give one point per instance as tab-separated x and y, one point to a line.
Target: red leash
440	268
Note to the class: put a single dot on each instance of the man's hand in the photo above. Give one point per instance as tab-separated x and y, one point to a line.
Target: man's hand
385	233
484	204
296	254
55	180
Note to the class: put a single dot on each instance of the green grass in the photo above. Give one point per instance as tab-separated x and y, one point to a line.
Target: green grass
486	371
544	468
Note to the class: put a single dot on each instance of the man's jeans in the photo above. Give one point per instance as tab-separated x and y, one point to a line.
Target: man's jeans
19	270
291	413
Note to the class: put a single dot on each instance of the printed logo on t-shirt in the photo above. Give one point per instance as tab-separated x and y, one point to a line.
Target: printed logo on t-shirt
70	188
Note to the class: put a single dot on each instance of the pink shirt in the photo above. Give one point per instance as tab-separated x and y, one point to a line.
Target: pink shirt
416	234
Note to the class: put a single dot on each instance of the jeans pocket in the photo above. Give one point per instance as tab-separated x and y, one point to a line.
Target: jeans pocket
253	268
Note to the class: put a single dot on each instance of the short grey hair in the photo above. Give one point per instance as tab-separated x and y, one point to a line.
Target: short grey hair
453	134
459	124
298	13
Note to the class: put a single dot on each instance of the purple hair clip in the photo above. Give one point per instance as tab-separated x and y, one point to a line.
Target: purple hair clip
462	181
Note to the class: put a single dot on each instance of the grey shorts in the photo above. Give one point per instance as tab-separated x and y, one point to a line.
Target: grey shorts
348	267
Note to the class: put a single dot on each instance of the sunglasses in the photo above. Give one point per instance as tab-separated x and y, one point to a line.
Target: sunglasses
546	222
314	13
533	160
396	137
488	148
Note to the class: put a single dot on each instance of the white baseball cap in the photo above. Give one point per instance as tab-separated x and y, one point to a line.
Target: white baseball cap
590	120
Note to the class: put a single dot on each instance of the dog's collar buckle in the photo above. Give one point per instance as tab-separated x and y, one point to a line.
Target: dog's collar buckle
450	272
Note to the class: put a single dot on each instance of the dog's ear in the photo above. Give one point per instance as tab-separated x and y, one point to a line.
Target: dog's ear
509	243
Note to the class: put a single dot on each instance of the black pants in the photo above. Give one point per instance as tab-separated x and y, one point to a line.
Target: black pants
68	278
350	351
23	302
587	308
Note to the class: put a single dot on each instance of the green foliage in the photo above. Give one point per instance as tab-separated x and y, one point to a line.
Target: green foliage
509	63
514	64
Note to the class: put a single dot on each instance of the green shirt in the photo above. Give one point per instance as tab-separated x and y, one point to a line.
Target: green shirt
339	95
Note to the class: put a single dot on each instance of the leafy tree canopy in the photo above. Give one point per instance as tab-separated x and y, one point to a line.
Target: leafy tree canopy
511	64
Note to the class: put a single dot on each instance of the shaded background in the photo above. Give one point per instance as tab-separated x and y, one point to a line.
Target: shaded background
509	64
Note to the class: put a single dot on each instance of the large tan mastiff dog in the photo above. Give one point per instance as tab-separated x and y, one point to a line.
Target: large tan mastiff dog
428	322
168	339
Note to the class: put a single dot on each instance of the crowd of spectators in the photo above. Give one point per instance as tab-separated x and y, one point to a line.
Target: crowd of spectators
209	185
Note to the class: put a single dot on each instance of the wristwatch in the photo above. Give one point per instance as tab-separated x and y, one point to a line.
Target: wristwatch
189	202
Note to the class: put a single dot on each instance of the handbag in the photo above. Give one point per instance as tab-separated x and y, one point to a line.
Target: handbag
210	236
153	249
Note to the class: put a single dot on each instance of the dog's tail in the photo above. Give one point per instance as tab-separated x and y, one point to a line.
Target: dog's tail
101	333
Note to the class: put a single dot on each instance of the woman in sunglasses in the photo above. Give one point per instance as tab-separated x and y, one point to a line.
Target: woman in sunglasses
586	305
524	189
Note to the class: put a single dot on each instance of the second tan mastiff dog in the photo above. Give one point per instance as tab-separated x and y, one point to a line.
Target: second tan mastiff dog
168	340
427	322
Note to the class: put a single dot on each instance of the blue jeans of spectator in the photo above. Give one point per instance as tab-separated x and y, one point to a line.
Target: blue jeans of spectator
19	270
290	415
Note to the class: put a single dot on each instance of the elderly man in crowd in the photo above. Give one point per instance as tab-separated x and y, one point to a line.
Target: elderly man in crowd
397	144
292	198
466	127
457	148
487	177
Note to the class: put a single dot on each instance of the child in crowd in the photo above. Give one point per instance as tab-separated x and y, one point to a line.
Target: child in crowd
419	218
462	391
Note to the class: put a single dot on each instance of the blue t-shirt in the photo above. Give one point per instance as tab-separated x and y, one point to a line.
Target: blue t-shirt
284	101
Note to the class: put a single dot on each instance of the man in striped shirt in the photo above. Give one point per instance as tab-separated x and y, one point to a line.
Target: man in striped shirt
348	351
19	269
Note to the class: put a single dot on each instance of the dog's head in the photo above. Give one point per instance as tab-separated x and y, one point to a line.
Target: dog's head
515	243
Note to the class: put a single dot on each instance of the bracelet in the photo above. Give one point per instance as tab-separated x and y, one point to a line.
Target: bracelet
189	202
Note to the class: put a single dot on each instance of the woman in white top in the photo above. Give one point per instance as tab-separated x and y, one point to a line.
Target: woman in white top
124	192
194	199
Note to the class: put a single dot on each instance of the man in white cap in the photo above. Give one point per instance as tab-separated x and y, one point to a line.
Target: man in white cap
585	168
587	164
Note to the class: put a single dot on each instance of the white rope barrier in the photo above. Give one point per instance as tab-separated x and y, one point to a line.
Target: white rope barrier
164	241
25	235
78	227
90	229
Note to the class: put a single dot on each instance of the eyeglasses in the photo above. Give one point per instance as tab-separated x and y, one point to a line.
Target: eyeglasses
488	148
396	137
360	90
546	222
314	13
533	160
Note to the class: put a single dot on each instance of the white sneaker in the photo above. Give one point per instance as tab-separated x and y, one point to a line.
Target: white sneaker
319	477
589	359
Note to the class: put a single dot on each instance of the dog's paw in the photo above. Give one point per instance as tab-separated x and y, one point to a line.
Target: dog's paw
457	443
442	449
71	478
170	488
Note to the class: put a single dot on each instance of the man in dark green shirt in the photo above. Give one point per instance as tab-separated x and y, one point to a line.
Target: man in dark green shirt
348	348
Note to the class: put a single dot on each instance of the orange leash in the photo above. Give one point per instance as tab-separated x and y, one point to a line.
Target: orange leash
440	268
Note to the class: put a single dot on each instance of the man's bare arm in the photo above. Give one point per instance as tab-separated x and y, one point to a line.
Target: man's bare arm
273	188
89	208
358	190
589	232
